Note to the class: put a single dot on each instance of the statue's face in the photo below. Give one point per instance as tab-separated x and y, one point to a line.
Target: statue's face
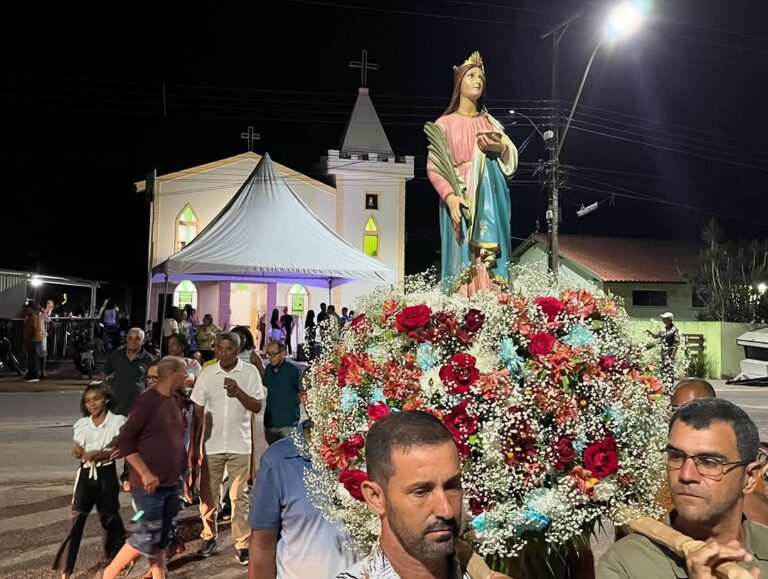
473	84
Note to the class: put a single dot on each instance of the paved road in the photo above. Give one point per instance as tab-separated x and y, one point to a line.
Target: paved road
36	476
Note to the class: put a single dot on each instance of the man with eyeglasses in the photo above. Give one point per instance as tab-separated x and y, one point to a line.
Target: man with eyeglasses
283	383
711	458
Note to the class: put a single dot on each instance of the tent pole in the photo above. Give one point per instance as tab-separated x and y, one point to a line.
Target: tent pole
330	300
165	309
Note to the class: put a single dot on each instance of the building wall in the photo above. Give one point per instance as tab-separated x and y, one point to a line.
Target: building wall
678	299
536	259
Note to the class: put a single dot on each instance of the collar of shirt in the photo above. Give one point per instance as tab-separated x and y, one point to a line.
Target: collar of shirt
377	566
300	443
238	367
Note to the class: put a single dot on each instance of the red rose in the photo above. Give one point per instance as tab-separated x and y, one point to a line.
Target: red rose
352	479
351	446
607	362
541	343
459	422
601	457
359	324
551	306
564	453
412	318
459	373
478	505
473	320
378	410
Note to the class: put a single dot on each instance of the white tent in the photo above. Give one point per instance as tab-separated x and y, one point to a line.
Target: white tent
248	242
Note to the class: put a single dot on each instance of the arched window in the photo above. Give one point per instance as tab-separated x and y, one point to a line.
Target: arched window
186	227
371	238
185	293
297	300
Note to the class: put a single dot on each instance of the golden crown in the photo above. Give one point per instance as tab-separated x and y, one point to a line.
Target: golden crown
474	60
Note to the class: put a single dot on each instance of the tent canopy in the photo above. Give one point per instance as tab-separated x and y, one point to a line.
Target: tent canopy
266	233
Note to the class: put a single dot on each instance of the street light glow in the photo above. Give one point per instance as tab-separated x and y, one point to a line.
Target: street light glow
624	19
35	282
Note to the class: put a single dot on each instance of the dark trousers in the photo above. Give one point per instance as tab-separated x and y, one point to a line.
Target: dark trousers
33	360
103	493
288	342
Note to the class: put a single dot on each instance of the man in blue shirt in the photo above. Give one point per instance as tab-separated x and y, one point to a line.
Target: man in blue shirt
283	383
290	538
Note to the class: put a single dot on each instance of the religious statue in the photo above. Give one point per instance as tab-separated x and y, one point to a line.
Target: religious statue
470	160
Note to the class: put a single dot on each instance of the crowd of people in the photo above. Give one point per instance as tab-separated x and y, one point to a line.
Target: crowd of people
183	429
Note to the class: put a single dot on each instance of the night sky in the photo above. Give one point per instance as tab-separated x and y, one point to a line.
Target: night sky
671	127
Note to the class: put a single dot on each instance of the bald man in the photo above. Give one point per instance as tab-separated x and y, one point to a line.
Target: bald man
690	389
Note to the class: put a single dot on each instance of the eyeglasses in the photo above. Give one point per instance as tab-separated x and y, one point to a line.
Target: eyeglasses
706	466
273	354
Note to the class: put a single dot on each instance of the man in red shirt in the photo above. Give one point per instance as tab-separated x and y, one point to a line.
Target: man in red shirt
152	442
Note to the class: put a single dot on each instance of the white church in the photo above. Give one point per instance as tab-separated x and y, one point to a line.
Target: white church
270	237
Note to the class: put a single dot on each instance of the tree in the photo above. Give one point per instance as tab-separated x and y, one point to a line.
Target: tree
730	277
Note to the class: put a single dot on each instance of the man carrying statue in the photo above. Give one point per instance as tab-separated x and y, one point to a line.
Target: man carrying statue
712	465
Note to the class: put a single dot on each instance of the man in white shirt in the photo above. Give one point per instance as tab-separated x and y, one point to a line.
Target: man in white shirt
225	396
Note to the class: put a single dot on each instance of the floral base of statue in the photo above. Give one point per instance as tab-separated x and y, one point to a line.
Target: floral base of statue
548	392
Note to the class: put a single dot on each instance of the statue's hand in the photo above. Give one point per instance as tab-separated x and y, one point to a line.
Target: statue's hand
454	203
490	144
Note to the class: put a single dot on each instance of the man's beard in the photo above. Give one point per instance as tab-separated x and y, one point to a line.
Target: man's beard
417	544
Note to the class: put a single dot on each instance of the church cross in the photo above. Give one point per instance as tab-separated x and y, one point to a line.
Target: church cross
251	136
364	67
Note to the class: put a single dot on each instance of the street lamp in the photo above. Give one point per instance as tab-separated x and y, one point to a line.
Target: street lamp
622	20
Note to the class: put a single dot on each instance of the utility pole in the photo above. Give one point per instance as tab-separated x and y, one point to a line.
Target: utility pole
552	139
553	166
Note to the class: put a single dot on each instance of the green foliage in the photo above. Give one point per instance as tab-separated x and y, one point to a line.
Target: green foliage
701	366
728	275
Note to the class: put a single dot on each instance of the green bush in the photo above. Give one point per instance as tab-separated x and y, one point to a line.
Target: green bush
701	366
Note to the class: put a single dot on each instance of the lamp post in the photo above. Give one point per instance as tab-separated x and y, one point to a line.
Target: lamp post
623	19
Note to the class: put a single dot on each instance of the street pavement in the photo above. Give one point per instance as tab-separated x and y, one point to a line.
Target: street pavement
36	475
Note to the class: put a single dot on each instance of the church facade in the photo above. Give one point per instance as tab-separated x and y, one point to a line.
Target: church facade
366	208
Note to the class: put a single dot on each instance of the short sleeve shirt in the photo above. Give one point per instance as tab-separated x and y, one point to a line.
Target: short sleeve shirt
92	437
128	380
308	545
282	386
228	422
637	557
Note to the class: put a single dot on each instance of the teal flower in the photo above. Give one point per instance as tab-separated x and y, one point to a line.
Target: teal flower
578	336
481	524
509	356
349	399
614	415
425	357
378	396
536	521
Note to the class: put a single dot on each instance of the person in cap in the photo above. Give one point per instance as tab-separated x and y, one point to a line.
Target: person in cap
670	340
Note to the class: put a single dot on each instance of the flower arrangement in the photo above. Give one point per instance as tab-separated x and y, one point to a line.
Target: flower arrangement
543	389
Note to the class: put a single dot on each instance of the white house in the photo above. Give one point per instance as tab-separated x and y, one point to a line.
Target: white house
366	208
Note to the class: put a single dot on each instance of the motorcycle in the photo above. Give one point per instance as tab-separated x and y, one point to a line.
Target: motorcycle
7	357
82	353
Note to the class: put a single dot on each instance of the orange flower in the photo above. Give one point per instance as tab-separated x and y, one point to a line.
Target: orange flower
389	308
